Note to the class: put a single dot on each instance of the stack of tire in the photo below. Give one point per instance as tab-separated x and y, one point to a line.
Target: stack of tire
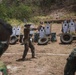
66	38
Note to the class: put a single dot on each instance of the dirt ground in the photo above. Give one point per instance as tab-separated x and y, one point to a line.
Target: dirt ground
50	59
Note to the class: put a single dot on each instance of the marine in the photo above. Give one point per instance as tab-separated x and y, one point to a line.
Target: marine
5	33
27	42
70	67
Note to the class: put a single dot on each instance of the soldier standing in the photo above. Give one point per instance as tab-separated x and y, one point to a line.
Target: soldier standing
27	42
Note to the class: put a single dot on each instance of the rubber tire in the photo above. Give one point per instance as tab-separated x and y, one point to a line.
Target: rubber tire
13	40
44	42
62	39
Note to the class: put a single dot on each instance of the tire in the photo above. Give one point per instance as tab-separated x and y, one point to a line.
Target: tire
66	38
43	41
13	40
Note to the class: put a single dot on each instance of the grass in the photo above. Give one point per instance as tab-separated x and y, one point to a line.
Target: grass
15	22
69	16
37	19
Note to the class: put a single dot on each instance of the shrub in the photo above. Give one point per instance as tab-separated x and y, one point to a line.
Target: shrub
18	12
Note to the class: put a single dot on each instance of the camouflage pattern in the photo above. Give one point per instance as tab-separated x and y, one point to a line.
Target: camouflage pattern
70	66
27	42
5	32
3	69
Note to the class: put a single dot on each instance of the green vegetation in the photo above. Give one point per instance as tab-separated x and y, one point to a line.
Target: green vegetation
18	12
32	10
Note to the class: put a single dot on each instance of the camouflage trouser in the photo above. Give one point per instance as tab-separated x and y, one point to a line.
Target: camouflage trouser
28	44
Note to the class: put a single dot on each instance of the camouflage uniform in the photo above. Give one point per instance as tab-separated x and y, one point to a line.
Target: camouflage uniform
5	32
70	66
27	42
